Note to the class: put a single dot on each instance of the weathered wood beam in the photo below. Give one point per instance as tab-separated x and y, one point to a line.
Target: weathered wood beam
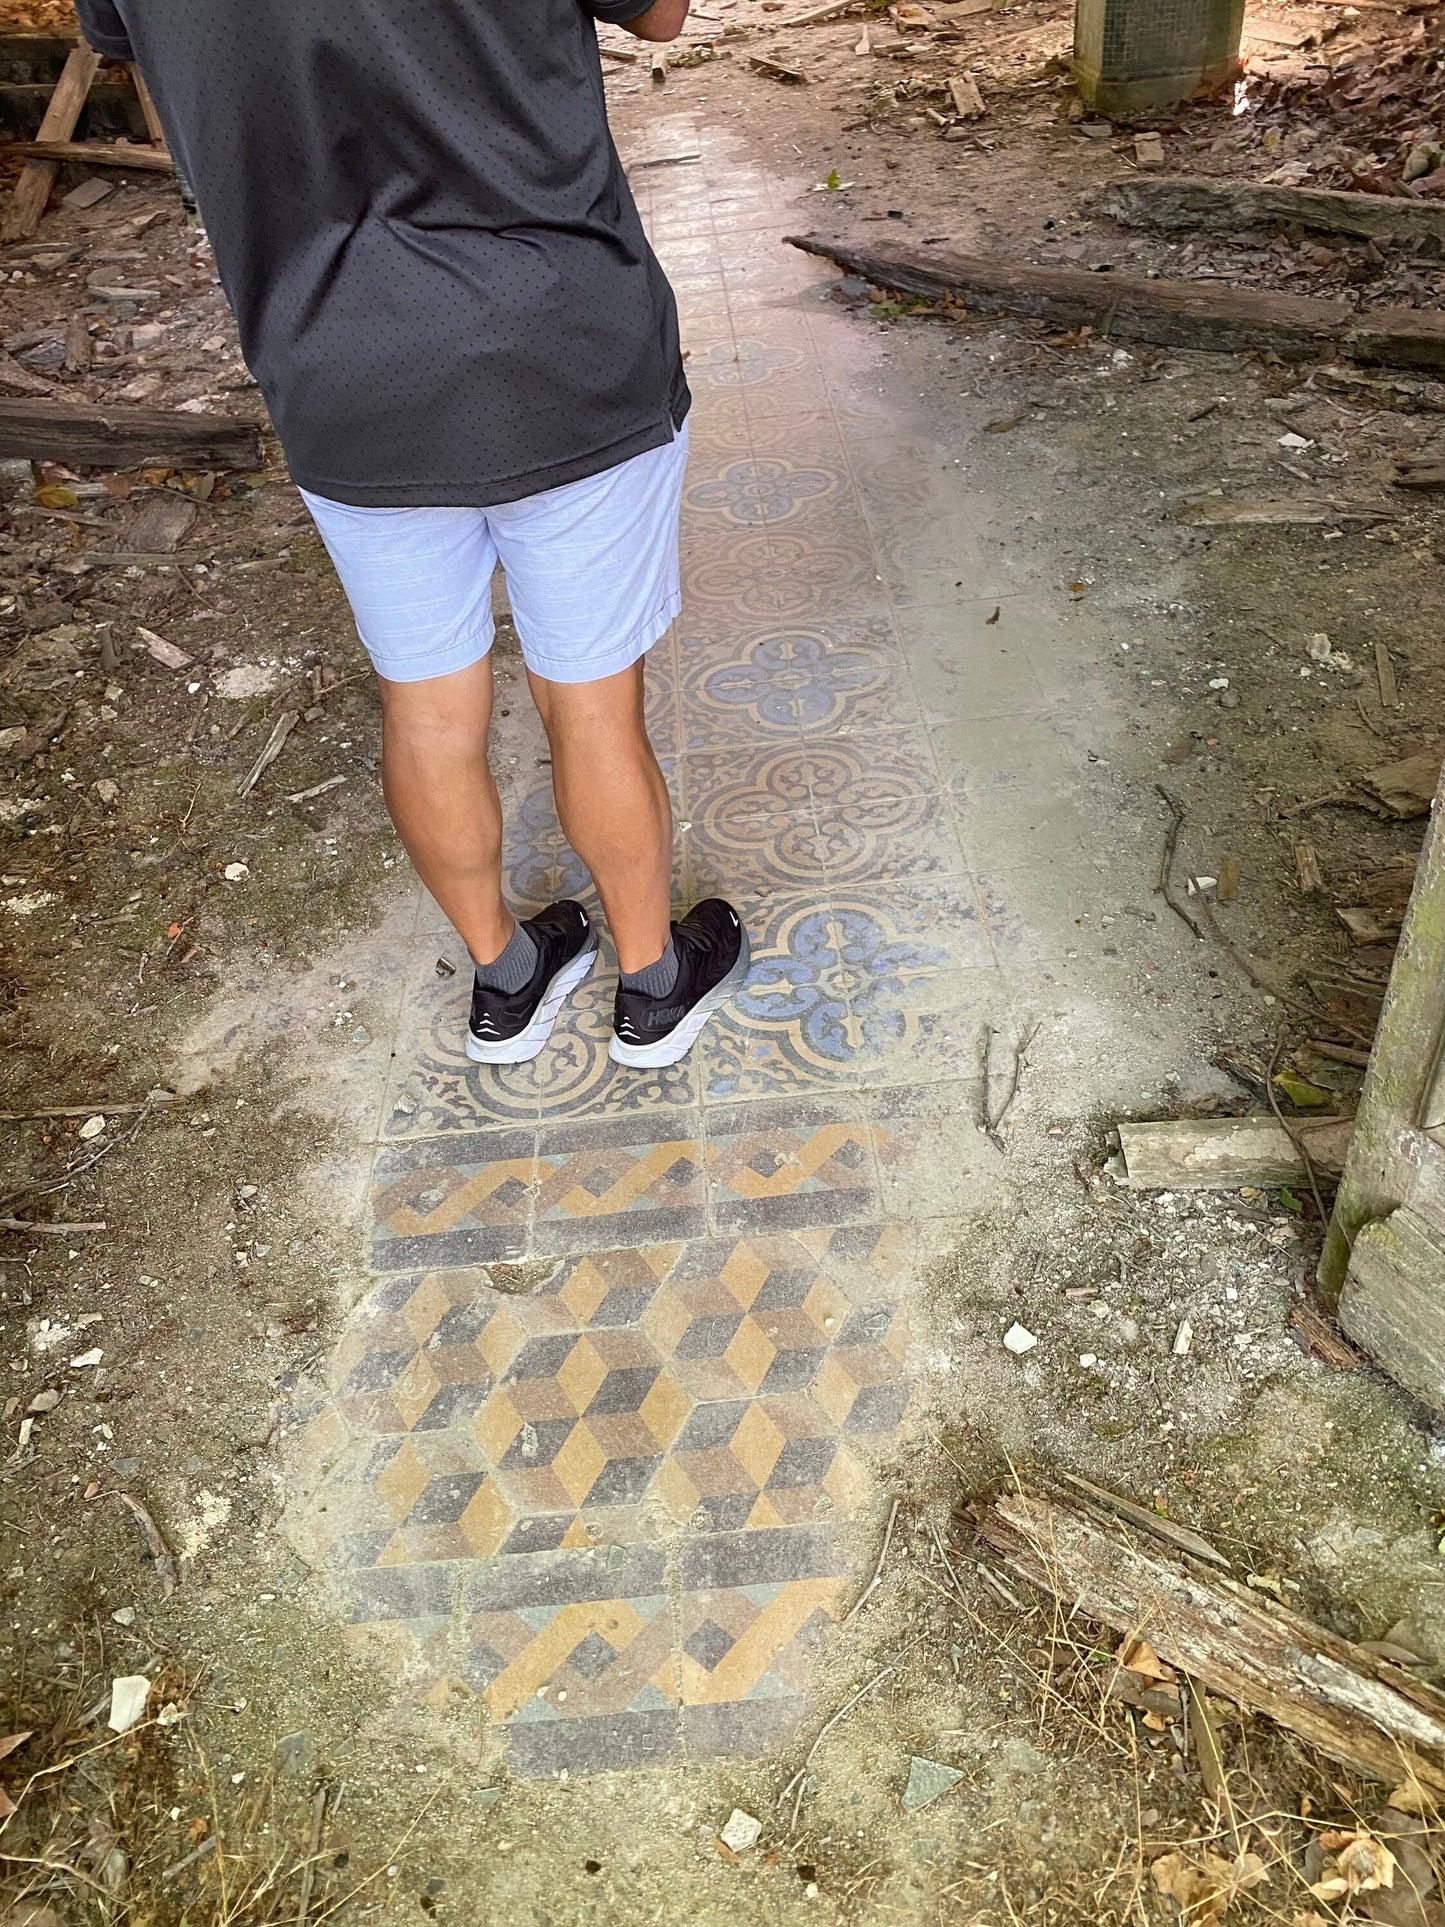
37	177
149	160
1354	1707
1173	314
114	436
1181	203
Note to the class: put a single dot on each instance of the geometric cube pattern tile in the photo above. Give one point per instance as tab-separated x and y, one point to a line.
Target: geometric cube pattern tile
617	1500
598	1451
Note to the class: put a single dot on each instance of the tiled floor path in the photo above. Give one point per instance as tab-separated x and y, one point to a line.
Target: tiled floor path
617	1508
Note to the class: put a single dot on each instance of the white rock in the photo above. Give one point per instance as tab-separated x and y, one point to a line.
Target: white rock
86	1359
741	1831
128	1696
1018	1339
235	872
92	1127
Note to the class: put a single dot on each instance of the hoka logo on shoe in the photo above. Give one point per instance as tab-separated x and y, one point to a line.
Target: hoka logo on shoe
657	1018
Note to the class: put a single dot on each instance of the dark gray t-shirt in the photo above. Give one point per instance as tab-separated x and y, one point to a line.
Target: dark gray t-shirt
419	217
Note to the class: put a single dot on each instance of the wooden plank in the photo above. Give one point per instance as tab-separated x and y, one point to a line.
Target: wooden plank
1138	1515
1351	1705
113	436
811	15
1221	1153
37	177
1173	314
148	108
145	160
1419	471
1393	1302
1183	203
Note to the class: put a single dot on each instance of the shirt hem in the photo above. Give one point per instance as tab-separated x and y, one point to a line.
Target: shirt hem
485	495
112	46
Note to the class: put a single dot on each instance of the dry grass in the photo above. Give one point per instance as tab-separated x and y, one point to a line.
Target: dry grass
144	1828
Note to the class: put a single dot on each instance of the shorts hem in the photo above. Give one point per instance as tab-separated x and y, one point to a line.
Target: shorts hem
570	670
461	655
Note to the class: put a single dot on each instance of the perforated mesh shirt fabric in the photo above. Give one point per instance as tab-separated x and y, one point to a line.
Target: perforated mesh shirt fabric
420	220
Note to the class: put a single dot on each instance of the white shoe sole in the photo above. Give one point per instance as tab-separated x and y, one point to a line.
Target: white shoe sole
530	1043
677	1043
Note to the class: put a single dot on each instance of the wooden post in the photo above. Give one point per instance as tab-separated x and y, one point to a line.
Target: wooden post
37	177
1384	1258
148	108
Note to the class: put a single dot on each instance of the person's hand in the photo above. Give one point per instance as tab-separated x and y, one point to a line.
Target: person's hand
662	21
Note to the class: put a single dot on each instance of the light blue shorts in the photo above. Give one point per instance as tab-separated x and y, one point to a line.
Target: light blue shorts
592	573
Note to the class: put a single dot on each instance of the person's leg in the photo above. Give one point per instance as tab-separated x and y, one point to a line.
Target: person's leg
613	804
443	801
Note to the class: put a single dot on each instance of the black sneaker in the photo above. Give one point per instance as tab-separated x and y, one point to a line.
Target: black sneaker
712	962
510	1027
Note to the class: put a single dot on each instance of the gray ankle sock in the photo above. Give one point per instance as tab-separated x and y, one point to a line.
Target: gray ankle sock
513	969
658	978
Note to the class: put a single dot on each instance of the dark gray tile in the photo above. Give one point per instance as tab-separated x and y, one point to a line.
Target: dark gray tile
762	1558
746	1728
400	1592
798	1211
607	1743
481	1245
571	1576
562	1237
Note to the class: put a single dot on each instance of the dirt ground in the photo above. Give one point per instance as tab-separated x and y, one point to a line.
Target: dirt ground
214	967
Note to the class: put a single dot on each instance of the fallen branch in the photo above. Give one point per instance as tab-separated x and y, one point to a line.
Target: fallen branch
993	1123
308	1871
1354	1707
98	1109
275	743
1138	1515
55	1230
877	1580
1216	512
159	1551
147	160
1174	314
1166	863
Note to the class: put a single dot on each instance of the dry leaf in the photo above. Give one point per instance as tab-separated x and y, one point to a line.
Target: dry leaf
7	1805
1138	1656
1409	1797
1362	1864
1203	1889
54	495
13	1740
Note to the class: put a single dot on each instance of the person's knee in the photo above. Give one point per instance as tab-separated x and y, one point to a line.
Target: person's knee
442	711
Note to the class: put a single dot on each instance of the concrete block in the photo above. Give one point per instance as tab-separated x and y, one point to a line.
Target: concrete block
1139	56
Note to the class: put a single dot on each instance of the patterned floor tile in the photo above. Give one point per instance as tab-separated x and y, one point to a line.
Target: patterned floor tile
780	575
839	988
781	1165
512	1490
616	1181
463	1200
792	681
